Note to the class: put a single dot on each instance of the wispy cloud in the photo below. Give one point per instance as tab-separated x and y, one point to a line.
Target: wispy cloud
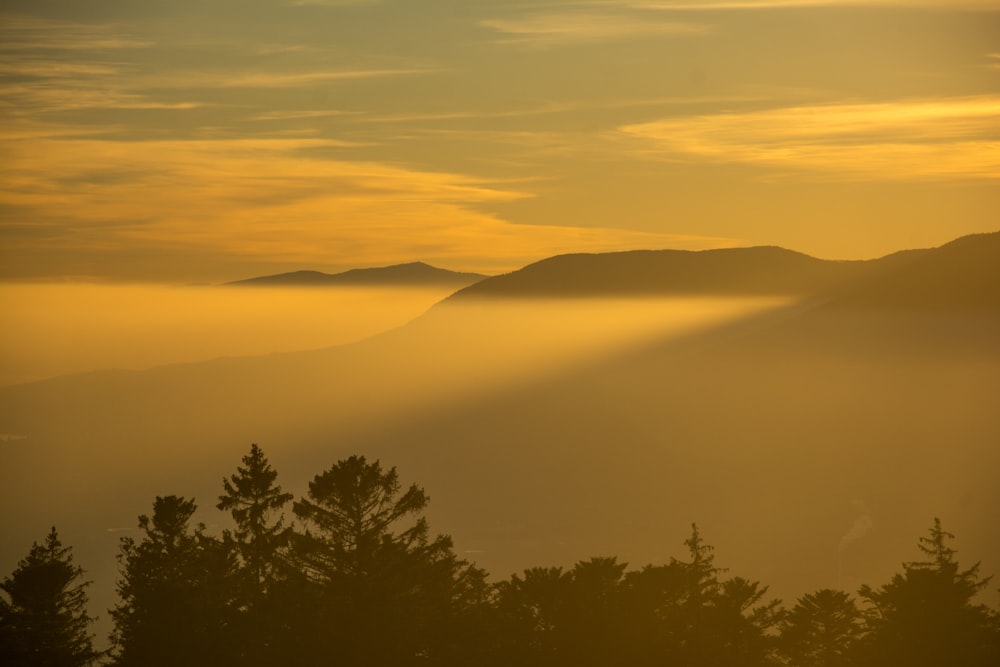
269	200
18	33
292	79
935	139
332	3
554	29
710	5
303	114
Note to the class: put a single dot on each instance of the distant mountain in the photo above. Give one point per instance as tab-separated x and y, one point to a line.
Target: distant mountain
413	273
961	275
729	271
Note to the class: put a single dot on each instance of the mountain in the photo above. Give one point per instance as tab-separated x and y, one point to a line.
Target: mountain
413	273
961	275
551	430
759	271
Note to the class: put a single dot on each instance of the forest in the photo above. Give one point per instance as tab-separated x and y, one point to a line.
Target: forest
351	574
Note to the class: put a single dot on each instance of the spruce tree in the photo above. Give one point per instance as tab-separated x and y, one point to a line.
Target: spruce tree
255	502
45	622
176	597
822	630
927	616
387	592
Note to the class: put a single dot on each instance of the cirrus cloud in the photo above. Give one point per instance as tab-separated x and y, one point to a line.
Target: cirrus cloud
906	140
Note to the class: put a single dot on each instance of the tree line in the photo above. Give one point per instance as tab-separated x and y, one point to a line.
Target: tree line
359	580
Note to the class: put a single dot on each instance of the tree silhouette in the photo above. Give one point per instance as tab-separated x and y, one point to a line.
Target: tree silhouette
531	611
176	593
45	622
255	502
718	622
926	615
387	592
822	630
551	617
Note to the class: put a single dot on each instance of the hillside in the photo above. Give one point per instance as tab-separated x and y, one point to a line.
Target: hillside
729	271
413	273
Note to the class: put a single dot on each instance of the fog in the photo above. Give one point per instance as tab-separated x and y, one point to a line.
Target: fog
56	329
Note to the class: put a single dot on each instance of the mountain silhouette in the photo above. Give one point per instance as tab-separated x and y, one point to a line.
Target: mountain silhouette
757	271
412	273
961	275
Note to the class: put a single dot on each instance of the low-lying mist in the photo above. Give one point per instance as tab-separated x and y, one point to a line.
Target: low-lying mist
57	329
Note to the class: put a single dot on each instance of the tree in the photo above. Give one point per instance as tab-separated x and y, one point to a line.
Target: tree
45	622
550	617
926	615
822	630
176	596
387	592
255	502
717	622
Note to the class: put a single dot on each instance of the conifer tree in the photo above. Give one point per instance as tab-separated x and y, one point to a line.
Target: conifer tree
255	502
926	616
822	630
45	622
387	590
176	597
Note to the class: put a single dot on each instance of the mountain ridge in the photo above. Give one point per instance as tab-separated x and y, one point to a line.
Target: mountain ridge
752	271
409	273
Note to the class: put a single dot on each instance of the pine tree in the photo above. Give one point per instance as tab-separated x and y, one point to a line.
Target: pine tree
176	597
719	622
45	622
822	630
255	502
926	615
387	592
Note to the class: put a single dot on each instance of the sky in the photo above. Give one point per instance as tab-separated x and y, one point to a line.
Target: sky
203	141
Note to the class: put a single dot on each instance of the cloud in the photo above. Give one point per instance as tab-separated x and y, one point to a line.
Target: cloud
291	79
332	3
910	140
571	28
714	5
18	33
269	201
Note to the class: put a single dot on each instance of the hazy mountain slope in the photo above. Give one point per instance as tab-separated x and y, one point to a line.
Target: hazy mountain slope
961	275
730	271
413	273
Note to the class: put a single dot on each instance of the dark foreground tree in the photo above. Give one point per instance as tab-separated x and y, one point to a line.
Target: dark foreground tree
384	592
45	622
255	501
176	594
926	616
714	621
822	630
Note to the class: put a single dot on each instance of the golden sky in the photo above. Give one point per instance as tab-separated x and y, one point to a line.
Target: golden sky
189	141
